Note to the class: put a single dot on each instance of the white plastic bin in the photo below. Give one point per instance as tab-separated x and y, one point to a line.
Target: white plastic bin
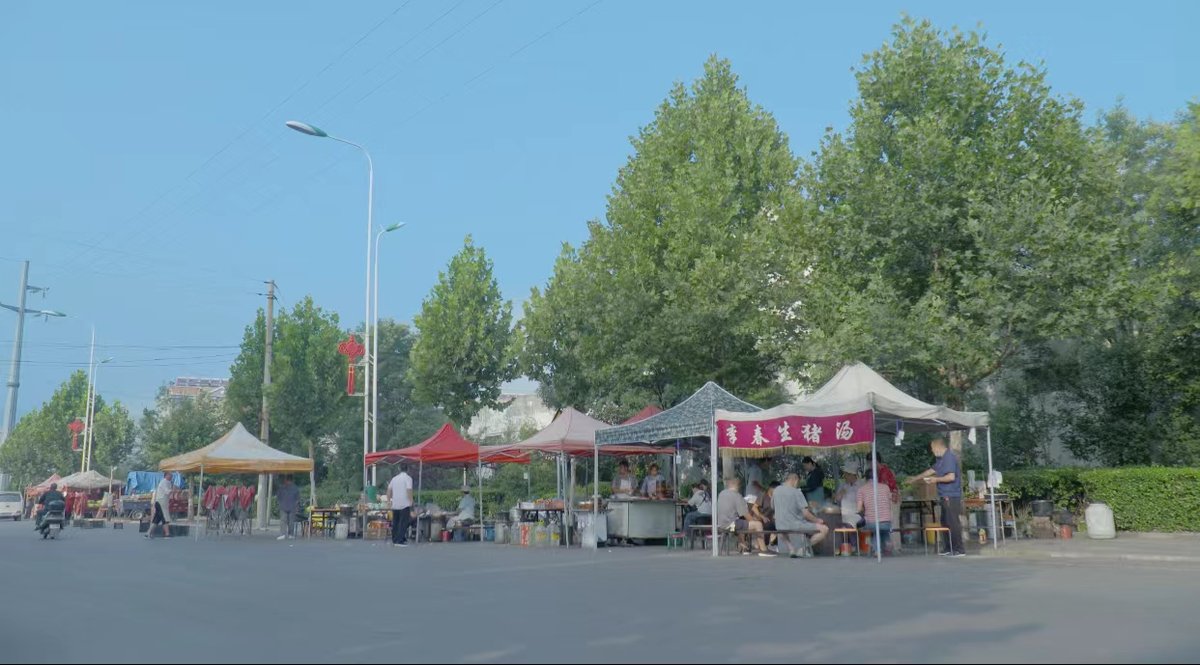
1100	523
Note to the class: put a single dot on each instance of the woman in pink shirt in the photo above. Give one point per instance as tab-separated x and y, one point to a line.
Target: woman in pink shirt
876	508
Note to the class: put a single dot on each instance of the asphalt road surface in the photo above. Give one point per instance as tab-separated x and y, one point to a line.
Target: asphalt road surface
112	596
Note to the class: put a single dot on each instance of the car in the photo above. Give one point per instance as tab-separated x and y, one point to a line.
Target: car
11	506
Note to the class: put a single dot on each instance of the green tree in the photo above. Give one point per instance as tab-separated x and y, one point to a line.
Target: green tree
308	390
243	396
662	295
403	420
963	216
463	354
40	444
175	426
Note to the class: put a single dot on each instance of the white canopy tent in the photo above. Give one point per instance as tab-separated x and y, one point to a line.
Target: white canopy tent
856	388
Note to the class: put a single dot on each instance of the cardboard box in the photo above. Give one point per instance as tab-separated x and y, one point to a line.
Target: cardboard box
919	491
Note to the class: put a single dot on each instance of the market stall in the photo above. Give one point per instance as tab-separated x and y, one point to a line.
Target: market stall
446	447
569	436
237	452
849	410
687	424
85	490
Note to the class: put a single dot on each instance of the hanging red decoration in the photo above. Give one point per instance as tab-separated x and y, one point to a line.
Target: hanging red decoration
353	350
76	426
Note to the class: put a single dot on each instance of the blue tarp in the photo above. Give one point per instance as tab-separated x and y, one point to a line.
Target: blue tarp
142	482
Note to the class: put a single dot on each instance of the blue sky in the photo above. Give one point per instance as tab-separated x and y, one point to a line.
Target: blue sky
147	173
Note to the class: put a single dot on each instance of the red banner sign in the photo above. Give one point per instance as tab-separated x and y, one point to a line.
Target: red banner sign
847	429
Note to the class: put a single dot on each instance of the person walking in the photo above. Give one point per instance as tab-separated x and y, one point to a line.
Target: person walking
400	494
162	507
949	489
288	496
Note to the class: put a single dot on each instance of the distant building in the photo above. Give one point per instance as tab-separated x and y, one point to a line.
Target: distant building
516	413
190	387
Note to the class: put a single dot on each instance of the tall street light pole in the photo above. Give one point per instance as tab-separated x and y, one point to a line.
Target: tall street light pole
374	354
310	130
89	437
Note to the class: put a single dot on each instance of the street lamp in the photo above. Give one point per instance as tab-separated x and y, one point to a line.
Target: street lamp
305	128
374	353
89	434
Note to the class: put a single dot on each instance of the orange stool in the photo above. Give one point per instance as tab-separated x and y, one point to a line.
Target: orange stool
849	538
937	532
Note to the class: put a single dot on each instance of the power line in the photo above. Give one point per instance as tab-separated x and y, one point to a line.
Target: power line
252	126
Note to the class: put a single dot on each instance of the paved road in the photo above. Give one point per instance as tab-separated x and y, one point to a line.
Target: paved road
112	596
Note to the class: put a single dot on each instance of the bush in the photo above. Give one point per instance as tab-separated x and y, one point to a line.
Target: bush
1062	486
1148	498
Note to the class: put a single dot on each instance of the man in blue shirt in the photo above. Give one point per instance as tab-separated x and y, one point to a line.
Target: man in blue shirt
949	488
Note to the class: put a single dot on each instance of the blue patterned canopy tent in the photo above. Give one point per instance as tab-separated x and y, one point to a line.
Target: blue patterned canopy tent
693	417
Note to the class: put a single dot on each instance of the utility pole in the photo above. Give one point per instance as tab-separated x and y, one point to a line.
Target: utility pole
14	372
264	500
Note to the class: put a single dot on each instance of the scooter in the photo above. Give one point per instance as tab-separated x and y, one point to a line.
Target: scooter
54	515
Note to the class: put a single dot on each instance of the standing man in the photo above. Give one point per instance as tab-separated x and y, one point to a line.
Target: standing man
162	507
814	481
288	496
400	493
949	488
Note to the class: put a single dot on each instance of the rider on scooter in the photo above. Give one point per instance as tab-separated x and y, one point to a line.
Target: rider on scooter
44	500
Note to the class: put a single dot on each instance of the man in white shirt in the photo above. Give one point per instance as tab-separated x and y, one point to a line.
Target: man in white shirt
702	502
466	510
847	494
400	494
162	506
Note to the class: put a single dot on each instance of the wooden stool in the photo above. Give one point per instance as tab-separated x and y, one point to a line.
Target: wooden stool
937	532
849	536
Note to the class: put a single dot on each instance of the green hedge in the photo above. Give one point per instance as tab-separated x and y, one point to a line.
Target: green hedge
1148	498
1142	498
1062	486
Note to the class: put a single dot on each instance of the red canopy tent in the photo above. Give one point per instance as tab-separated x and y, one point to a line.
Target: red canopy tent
649	410
447	446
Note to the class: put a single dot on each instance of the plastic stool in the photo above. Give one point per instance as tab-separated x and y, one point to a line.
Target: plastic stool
675	541
849	537
937	532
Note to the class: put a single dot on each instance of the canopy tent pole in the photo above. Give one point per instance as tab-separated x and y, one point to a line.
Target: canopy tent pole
201	504
479	477
875	497
992	492
595	487
713	472
413	508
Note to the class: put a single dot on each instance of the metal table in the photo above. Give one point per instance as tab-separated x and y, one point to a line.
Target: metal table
642	518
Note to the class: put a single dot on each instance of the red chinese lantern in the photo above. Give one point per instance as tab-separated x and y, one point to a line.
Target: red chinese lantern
353	350
76	426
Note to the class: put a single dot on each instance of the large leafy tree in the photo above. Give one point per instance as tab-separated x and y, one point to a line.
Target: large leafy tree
403	420
243	396
463	353
175	426
962	216
1134	395
40	444
661	296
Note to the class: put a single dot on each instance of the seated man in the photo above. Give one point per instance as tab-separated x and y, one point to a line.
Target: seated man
701	503
466	511
792	514
44	501
877	509
733	514
847	495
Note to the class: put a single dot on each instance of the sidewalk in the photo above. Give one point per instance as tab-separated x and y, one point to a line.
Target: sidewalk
1181	548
